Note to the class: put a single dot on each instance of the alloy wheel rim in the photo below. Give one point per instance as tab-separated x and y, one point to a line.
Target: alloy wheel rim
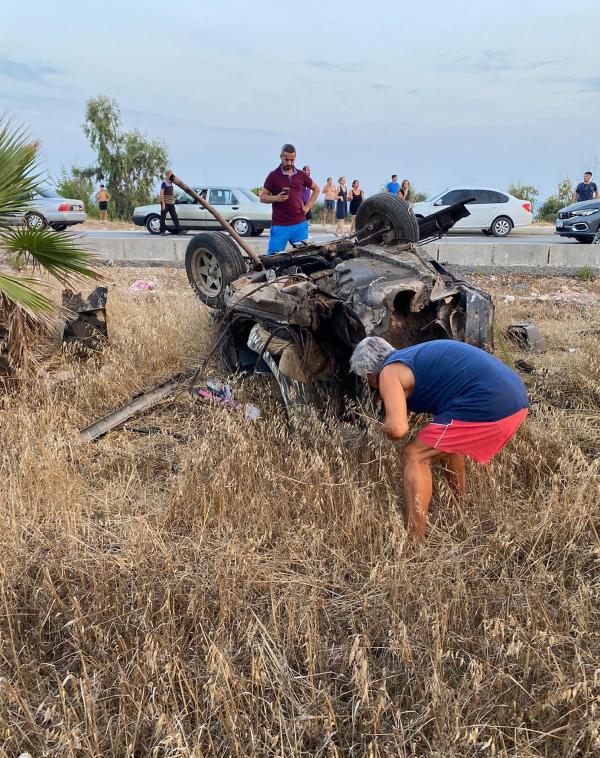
207	273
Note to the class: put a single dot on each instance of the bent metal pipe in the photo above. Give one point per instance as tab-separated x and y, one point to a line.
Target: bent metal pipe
214	212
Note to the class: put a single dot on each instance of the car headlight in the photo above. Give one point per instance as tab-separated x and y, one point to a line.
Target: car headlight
589	212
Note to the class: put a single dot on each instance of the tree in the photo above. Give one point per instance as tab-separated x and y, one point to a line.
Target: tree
524	192
128	162
54	253
549	209
565	190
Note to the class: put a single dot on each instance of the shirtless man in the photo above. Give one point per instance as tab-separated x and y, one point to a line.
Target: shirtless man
103	197
330	196
477	402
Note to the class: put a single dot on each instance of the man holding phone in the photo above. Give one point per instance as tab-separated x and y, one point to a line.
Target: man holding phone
284	188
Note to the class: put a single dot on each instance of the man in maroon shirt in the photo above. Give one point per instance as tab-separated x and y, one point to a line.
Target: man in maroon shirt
284	187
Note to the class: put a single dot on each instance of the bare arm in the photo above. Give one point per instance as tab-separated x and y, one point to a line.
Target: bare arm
162	198
393	395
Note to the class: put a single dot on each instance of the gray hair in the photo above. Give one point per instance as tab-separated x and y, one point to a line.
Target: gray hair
369	355
287	148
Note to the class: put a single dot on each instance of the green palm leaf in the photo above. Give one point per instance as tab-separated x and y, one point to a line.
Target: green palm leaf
18	177
17	290
55	253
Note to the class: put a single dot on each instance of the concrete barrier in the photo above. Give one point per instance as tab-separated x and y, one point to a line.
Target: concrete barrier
469	254
526	254
575	256
172	250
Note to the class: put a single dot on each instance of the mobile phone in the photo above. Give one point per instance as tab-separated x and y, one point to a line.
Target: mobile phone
285	191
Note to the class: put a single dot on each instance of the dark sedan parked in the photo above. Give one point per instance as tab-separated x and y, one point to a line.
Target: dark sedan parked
580	221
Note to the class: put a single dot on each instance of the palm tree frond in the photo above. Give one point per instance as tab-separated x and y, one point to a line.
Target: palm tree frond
19	178
52	251
18	290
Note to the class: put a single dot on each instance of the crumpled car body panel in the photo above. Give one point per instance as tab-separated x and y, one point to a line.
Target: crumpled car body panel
394	292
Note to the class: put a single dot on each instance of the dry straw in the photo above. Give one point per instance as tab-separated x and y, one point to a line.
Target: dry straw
243	592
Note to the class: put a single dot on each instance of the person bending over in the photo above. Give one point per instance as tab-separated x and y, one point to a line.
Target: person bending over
477	403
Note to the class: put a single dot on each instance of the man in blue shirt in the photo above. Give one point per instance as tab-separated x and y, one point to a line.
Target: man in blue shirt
476	401
586	190
393	187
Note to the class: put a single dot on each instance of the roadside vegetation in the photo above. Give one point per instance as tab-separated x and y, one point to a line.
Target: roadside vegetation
196	584
128	163
27	253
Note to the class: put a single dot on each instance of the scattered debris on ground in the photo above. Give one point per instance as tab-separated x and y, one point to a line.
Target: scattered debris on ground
528	336
86	322
142	285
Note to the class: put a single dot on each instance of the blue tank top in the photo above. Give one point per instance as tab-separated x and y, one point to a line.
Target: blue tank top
458	381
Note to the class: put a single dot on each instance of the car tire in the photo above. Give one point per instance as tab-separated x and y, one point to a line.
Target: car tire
386	210
59	227
35	220
212	262
501	226
242	226
152	223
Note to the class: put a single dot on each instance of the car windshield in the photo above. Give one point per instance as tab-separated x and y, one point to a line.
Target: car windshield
250	195
46	192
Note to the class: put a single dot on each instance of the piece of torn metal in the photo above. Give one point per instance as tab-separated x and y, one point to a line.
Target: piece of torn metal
132	408
528	336
86	322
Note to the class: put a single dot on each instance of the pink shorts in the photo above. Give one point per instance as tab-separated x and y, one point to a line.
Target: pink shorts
480	440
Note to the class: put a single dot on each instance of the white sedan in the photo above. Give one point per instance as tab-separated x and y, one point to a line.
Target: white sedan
492	211
241	207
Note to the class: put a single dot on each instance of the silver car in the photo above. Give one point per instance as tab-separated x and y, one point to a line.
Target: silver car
47	208
241	207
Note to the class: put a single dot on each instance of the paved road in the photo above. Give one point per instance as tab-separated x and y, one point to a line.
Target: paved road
453	239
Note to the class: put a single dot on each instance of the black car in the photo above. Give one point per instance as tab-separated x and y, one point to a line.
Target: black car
580	221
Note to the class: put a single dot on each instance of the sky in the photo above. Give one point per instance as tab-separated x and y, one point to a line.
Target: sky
443	93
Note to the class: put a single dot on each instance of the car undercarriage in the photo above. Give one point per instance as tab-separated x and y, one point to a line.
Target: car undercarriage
302	312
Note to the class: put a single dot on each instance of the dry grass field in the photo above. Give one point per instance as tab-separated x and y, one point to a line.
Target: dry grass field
225	588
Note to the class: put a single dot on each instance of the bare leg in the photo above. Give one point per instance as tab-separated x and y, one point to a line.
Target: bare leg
352	224
455	474
418	486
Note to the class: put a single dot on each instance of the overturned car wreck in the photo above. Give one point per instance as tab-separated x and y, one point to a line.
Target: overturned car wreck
303	312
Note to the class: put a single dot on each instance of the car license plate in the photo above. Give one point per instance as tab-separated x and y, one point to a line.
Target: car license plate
560	224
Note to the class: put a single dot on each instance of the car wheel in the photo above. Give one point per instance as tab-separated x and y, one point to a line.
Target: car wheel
212	262
501	226
58	227
385	218
35	220
257	232
243	227
153	223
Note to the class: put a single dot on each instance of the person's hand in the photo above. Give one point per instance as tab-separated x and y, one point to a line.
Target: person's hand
281	197
306	208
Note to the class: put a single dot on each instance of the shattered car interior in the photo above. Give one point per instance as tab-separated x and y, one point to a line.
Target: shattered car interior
302	312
